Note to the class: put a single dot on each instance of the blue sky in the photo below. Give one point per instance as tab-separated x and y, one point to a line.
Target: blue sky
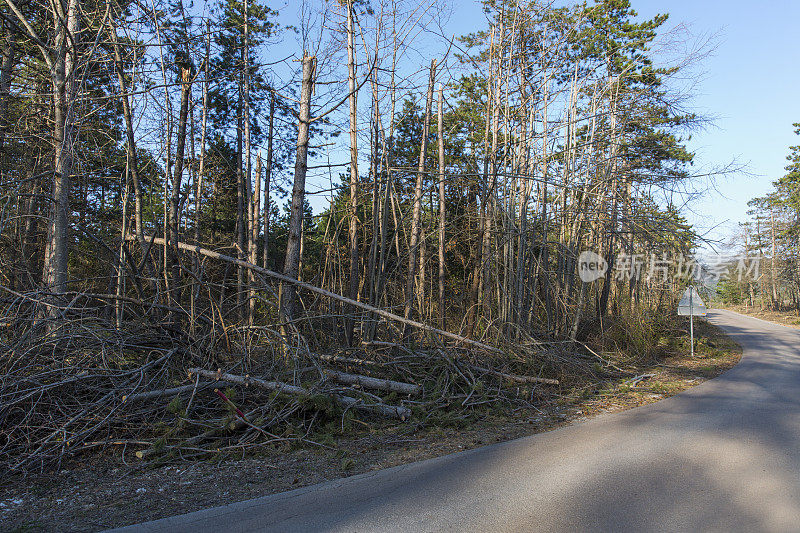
748	84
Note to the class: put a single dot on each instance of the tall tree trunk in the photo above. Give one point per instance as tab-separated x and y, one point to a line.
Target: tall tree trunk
251	197
174	203
292	262
353	229
198	180
442	212
241	195
417	207
377	187
201	171
268	178
544	256
611	255
611	176
386	144
132	163
774	273
120	286
56	256
9	51
480	194
256	226
166	139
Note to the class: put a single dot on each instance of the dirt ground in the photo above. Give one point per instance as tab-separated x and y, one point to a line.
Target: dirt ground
109	491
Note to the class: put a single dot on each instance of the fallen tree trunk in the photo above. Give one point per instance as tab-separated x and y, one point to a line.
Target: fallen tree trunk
345	401
247	381
175	390
373	383
313	288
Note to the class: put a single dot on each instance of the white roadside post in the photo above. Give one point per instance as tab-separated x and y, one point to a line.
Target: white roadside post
691	304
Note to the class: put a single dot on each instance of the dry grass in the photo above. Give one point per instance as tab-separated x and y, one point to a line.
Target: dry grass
784	318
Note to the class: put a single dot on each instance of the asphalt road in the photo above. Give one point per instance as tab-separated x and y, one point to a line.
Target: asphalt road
723	456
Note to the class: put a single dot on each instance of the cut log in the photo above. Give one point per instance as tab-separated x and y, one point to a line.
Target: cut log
515	377
387	410
388	345
635	381
247	381
236	424
170	392
373	383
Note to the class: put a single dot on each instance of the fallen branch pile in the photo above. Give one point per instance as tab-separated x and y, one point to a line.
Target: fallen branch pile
54	405
387	410
76	380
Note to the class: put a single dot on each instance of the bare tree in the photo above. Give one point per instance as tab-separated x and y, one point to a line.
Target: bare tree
442	210
417	205
292	261
353	228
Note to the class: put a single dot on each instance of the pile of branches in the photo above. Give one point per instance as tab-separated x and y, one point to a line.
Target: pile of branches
90	385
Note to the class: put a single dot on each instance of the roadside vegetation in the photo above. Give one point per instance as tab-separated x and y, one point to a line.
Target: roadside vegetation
101	491
772	291
172	299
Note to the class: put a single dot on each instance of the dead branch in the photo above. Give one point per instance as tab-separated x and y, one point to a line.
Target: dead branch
516	378
338	297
